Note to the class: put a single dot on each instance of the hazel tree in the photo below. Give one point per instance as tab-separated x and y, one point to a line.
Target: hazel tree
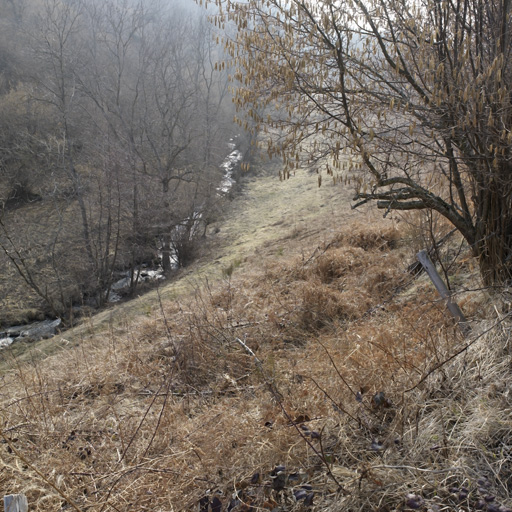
413	97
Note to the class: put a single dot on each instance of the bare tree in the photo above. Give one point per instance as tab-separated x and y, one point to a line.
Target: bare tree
115	128
58	49
162	99
415	93
80	250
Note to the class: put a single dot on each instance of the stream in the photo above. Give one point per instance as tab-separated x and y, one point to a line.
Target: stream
36	331
152	274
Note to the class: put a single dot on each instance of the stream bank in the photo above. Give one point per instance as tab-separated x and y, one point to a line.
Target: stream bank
146	274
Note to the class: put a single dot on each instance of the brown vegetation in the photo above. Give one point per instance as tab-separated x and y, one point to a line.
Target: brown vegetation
345	373
413	97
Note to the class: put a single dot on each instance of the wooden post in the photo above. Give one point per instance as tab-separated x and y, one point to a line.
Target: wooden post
15	503
444	292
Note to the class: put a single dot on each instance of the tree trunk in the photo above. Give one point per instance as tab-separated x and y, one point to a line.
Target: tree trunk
166	253
494	234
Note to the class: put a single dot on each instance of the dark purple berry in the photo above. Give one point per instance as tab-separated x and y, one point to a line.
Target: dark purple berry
463	495
413	501
308	502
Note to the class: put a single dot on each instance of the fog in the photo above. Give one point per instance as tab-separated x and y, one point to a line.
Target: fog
115	121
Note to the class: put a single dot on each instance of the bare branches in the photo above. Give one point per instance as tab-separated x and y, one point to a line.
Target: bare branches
392	90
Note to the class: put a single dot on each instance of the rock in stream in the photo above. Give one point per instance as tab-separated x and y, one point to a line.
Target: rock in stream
30	332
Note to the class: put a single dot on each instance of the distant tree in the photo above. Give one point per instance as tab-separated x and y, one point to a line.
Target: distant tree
57	47
151	75
415	93
12	9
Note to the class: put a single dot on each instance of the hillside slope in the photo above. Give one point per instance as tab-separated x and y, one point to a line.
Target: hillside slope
296	366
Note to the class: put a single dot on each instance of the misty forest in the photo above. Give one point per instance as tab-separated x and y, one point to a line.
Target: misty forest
115	122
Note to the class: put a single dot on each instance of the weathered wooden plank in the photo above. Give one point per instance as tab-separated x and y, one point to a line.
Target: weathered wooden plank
444	292
15	503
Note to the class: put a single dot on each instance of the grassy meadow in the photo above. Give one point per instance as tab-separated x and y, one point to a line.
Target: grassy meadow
296	365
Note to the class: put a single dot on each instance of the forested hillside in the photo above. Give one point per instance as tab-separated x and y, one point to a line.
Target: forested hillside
114	122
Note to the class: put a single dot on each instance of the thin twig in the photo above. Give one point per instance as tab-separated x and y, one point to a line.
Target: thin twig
460	351
323	251
278	398
413	468
335	404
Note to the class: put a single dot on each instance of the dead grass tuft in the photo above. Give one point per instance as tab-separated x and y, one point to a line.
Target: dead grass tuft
371	237
322	306
335	263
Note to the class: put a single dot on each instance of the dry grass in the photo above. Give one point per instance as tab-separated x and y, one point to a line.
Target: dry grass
355	397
